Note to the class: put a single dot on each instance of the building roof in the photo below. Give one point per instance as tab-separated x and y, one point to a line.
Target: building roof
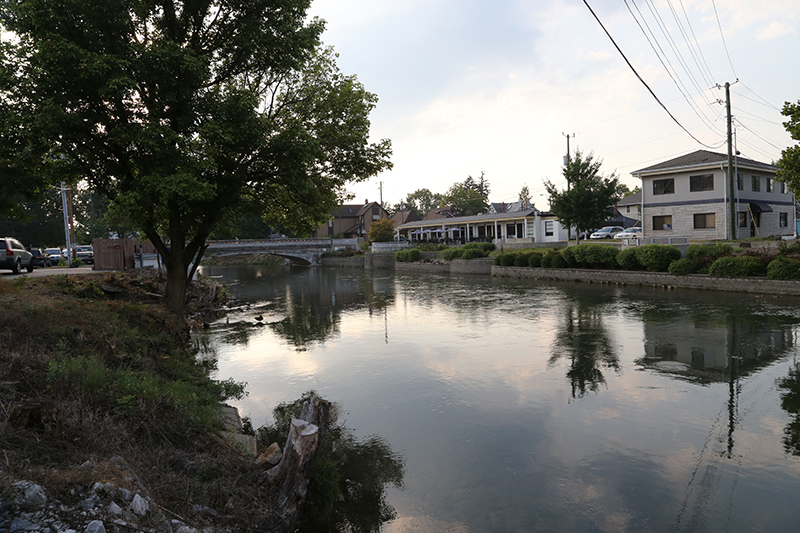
353	210
436	213
401	217
632	199
702	159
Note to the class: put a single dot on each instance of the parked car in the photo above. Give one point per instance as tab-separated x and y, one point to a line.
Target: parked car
586	234
85	254
607	232
55	254
14	256
40	258
629	233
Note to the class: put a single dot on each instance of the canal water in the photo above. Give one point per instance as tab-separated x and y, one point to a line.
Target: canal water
531	406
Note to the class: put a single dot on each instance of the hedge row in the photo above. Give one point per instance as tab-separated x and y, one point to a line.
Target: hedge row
716	260
408	256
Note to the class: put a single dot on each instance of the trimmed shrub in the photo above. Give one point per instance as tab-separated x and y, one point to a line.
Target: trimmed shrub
414	255
407	256
738	267
472	246
472	253
698	251
508	259
657	257
783	268
682	266
498	259
452	253
535	260
629	259
521	260
553	259
568	255
722	249
487	247
594	255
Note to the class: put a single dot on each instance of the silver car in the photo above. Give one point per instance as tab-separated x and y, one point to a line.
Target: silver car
14	256
607	232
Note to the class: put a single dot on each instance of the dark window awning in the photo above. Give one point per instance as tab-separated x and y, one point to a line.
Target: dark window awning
760	207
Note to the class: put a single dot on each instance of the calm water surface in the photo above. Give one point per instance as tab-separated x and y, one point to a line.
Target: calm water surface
538	406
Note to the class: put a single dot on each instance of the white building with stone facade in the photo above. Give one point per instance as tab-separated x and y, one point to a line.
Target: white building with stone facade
688	197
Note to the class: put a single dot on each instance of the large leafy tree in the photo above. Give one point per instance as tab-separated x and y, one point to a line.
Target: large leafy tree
585	203
789	163
420	201
470	197
181	112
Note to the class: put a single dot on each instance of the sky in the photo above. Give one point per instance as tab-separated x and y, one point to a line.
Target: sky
471	86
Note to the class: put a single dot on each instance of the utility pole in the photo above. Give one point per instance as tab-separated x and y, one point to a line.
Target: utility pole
66	203
731	176
566	157
380	187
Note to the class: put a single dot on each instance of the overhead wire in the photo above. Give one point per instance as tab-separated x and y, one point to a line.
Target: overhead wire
724	44
640	78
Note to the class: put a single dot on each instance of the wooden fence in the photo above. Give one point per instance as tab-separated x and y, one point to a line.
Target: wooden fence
115	254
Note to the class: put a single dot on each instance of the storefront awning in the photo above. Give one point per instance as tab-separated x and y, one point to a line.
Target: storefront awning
760	207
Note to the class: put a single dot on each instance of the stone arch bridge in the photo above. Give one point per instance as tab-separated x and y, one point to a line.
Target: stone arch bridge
299	251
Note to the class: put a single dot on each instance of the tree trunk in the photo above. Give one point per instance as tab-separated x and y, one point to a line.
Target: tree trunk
289	479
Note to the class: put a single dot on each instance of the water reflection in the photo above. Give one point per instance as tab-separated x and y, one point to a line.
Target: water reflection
790	401
685	430
348	490
582	337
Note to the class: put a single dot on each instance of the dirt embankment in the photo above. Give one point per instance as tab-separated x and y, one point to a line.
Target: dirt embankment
107	420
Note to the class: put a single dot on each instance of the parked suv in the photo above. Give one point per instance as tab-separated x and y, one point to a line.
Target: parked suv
85	254
14	256
40	258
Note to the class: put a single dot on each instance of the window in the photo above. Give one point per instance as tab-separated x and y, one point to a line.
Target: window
740	182
742	219
627	209
701	183
662	222
756	184
784	188
548	228
770	185
704	220
665	186
511	230
784	219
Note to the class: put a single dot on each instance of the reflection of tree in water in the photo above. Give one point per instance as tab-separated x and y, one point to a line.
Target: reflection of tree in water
583	338
347	491
790	401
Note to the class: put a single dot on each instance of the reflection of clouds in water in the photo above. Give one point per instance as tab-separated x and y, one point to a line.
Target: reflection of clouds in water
410	523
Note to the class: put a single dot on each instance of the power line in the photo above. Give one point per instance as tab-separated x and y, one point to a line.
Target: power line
640	78
724	44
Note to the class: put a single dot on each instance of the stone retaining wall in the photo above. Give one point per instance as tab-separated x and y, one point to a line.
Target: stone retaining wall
353	262
427	268
472	266
626	277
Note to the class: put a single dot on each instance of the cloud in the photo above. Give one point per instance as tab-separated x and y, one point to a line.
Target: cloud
776	29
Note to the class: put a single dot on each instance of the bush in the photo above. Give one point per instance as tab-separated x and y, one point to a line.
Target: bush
629	259
721	249
657	257
452	253
487	247
473	253
508	259
407	256
698	251
568	255
682	266
535	260
381	230
738	267
594	255
498	260
521	260
553	259
783	268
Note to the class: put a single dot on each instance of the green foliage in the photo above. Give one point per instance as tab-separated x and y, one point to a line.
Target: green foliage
452	253
508	259
484	246
470	197
183	117
408	256
629	259
699	252
783	268
657	257
738	267
588	197
381	231
535	260
553	259
789	163
473	253
431	247
594	255
521	260
568	255
683	266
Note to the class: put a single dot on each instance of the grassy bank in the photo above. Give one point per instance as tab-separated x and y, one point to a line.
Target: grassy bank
93	369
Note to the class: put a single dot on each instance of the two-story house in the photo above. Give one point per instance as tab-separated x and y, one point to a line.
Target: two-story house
688	196
351	220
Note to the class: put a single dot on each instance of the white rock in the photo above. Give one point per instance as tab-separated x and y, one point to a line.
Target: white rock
95	526
139	505
115	509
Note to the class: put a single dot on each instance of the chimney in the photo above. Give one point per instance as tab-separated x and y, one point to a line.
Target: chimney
366	202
